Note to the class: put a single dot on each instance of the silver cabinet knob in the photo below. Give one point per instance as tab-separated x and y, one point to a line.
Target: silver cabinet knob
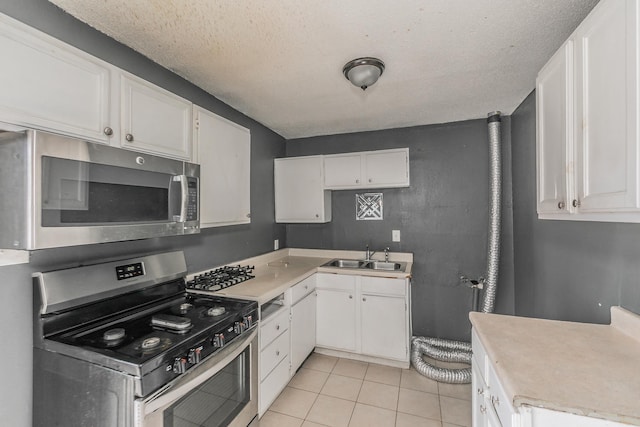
561	205
277	352
495	400
108	131
248	215
317	215
364	299
357	181
128	137
277	327
370	180
575	203
350	296
480	391
483	409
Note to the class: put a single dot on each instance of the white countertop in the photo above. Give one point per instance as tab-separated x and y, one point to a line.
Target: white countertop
585	369
277	271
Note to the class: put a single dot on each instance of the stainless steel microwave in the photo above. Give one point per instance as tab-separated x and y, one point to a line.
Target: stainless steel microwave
59	191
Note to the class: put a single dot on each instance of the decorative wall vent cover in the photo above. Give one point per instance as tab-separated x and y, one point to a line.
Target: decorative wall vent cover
368	206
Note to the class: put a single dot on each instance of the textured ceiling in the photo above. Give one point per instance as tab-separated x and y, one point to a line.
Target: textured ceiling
280	61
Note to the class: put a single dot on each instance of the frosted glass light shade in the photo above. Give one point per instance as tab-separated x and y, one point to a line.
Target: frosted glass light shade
363	72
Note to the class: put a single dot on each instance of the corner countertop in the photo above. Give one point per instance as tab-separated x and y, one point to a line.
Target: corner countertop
585	369
277	271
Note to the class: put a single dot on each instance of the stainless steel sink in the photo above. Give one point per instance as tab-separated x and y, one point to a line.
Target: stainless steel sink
345	263
373	265
383	265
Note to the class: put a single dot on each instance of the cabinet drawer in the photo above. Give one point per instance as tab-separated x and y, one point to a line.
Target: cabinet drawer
275	325
383	285
273	354
303	289
273	384
339	282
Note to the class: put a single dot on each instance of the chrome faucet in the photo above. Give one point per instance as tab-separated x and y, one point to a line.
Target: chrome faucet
369	254
386	254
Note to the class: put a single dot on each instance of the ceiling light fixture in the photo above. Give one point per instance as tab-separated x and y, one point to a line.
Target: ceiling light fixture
363	72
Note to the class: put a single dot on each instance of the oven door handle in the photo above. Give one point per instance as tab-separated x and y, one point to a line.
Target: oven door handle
198	375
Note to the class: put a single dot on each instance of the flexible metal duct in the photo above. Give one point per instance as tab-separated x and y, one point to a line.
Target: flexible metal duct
495	201
459	351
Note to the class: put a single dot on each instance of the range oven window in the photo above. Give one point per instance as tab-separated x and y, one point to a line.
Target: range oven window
216	402
81	193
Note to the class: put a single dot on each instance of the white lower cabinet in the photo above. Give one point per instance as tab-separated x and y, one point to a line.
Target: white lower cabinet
384	317
336	312
303	321
365	316
492	407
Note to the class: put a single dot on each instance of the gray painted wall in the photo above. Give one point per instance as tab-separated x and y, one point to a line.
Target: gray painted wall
567	270
442	216
209	248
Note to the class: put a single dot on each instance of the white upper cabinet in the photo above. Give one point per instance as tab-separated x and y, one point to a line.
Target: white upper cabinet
154	120
47	84
299	191
607	145
50	85
554	114
223	150
369	169
587	141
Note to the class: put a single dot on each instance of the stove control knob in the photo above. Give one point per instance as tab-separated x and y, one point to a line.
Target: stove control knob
248	321
218	340
194	355
179	365
239	327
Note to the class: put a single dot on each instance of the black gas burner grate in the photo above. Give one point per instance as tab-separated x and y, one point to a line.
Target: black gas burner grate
221	278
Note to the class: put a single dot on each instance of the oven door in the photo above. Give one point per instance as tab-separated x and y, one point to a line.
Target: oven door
221	391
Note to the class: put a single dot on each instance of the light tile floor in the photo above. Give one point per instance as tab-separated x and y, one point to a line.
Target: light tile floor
329	391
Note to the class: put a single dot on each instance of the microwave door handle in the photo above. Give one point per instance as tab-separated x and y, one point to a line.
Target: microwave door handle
184	201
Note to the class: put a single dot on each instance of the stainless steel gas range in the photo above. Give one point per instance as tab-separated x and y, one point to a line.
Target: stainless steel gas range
122	344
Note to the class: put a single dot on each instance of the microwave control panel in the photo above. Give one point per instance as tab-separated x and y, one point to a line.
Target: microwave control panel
192	208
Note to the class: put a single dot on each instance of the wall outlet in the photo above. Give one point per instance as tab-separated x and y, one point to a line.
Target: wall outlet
395	235
276	244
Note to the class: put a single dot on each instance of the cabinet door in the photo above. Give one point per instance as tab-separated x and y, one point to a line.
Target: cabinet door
384	326
49	85
606	112
342	171
299	190
387	168
223	150
336	319
554	92
303	330
154	120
